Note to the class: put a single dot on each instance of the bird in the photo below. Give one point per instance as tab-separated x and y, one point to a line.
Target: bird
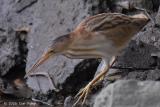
103	36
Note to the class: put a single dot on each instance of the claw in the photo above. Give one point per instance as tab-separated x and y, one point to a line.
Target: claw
83	94
78	93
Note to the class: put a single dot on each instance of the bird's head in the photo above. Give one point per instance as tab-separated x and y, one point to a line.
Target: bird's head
58	46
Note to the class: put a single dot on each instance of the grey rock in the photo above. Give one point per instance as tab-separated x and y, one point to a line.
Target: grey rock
8	50
130	4
10	46
129	93
137	54
158	18
150	5
67	101
23	4
18	90
148	34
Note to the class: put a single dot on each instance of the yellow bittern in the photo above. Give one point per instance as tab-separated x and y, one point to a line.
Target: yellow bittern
100	36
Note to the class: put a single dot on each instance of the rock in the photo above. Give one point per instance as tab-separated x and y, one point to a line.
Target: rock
18	88
158	18
137	55
8	50
68	101
23	4
129	93
13	49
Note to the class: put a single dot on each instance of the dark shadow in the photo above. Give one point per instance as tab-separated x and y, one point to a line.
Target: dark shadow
84	72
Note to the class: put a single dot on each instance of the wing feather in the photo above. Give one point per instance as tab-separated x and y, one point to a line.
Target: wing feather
105	21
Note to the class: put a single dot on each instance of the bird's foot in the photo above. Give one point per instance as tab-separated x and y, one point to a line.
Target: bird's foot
83	93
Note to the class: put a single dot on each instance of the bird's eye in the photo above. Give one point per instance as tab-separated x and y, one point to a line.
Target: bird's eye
51	51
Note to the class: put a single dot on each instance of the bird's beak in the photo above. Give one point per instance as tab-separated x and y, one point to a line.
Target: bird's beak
44	58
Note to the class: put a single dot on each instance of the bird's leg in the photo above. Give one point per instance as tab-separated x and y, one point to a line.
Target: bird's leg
46	74
110	64
104	68
112	76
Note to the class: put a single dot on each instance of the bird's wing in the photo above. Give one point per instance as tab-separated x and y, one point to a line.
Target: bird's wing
105	21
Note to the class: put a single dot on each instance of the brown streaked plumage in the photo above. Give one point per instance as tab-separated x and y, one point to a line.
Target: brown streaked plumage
100	36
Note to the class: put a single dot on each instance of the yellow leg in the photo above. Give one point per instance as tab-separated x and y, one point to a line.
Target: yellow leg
82	94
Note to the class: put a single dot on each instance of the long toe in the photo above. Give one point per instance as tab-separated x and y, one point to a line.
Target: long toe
83	93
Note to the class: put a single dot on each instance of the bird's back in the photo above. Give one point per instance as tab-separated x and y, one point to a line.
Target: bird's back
106	21
118	28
